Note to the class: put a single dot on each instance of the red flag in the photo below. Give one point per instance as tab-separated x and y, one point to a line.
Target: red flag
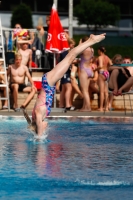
56	40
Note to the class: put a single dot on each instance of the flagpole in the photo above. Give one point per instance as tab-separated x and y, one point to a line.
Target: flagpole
70	18
56	3
55	42
55	90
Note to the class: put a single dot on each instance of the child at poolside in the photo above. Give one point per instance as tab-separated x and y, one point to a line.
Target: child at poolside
43	103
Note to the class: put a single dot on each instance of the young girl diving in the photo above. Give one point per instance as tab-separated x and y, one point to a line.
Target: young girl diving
44	100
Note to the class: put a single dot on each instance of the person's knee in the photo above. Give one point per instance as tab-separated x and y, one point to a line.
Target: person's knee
33	90
115	71
106	94
131	78
101	92
85	90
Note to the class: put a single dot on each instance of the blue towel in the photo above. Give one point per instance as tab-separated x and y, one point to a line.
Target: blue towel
10	43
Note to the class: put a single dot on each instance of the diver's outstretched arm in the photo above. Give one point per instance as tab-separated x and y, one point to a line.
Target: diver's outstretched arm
27	117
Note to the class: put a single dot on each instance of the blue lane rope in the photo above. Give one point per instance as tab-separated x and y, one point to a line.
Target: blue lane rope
123	65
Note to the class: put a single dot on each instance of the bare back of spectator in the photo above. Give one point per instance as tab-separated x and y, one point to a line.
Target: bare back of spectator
103	64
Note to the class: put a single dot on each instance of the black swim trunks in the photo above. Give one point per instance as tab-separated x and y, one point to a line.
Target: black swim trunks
21	87
121	79
0	88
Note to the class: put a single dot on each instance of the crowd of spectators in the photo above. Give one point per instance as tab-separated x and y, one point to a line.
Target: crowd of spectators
87	75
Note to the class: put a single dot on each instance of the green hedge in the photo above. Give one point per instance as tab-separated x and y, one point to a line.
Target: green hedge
113	45
112	50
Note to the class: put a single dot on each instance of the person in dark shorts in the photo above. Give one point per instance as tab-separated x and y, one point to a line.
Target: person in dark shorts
120	79
17	73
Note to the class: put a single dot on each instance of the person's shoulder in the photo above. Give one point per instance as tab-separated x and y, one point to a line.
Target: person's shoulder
10	66
99	57
30	50
23	67
107	57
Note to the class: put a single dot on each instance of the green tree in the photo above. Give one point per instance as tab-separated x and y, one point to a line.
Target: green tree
22	15
98	13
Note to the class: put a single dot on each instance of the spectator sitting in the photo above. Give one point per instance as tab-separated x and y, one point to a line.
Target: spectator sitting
117	59
3	89
128	60
120	79
124	85
17	73
119	74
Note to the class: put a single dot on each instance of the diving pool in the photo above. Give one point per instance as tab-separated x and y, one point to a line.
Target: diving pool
87	158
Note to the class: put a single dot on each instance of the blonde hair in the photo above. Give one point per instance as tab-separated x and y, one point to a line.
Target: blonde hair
71	41
17	55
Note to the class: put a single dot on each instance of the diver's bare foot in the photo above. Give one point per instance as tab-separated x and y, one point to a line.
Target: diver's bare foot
97	38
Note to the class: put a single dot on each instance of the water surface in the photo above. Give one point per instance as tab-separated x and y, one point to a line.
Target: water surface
82	158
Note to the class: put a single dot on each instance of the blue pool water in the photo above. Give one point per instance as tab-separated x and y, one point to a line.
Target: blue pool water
82	158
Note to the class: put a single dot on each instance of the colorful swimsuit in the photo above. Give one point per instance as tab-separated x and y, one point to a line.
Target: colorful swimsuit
49	91
105	74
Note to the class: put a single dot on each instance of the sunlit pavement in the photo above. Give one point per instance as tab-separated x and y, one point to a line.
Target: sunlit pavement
60	112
